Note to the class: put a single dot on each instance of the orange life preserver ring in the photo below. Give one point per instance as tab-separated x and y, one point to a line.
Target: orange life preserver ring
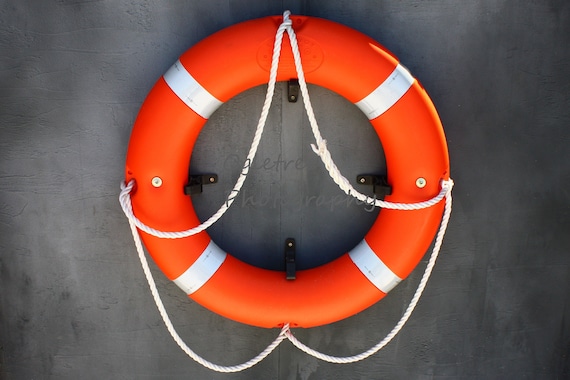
232	61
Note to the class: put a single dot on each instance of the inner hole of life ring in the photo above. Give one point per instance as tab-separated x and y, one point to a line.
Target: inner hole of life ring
288	192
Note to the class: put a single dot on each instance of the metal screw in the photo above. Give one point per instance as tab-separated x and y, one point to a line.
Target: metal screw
212	179
362	180
290	244
156	182
421	182
292	98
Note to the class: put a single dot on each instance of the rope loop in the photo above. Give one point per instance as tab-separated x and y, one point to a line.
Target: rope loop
320	148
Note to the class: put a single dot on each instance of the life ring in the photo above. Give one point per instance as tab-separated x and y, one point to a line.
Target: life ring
232	61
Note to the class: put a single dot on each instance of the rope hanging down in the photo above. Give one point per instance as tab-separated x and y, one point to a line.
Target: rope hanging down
126	189
321	150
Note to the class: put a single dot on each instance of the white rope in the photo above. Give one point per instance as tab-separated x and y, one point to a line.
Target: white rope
134	222
321	147
285	330
124	197
170	327
321	150
409	309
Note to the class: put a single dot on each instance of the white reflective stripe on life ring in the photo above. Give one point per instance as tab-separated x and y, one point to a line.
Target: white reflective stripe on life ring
183	84
387	94
202	270
373	268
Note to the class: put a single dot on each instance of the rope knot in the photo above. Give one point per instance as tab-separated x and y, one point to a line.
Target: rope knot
287	22
447	184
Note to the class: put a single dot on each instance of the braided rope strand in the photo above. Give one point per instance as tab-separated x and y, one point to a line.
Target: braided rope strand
321	150
407	313
124	197
172	330
134	223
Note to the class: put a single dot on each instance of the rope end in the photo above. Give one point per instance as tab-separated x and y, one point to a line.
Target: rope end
320	148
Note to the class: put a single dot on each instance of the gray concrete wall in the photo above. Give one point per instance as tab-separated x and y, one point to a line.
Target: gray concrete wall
74	303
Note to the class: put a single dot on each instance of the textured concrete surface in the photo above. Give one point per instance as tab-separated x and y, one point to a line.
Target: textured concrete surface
74	303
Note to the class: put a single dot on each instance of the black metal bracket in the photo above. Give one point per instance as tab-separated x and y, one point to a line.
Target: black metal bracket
379	184
293	90
290	259
195	183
